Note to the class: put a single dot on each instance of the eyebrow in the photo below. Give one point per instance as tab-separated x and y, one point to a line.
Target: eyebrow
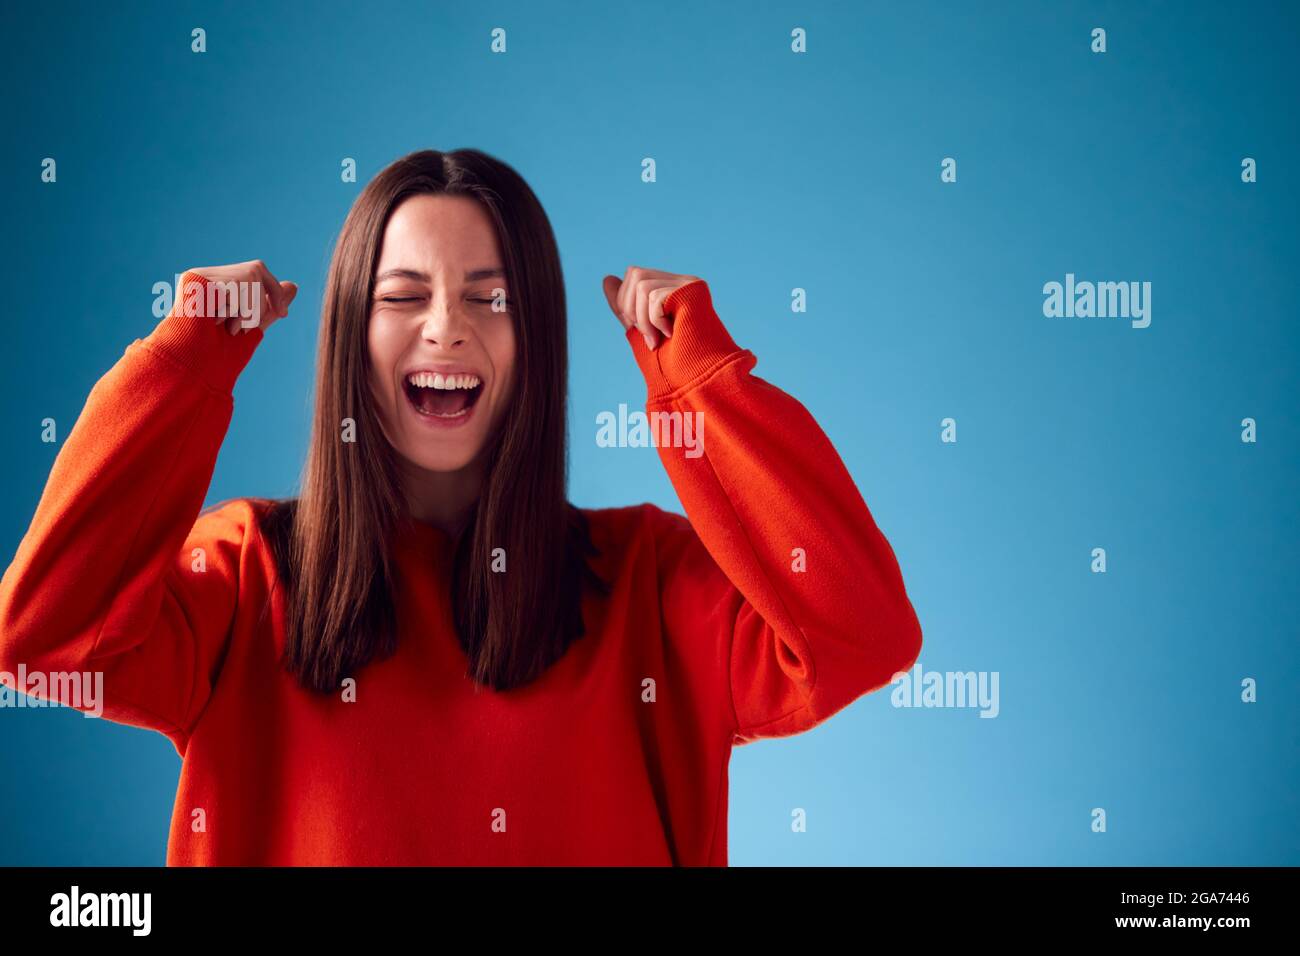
474	275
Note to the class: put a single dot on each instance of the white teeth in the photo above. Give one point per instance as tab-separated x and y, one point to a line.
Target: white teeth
445	382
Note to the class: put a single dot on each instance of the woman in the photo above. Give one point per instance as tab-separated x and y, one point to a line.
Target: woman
430	656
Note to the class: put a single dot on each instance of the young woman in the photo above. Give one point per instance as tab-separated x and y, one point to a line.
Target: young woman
430	656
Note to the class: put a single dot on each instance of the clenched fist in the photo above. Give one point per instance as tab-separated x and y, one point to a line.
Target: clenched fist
638	299
247	295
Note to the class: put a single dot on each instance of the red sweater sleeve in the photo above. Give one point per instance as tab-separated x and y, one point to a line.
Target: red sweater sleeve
797	645
107	578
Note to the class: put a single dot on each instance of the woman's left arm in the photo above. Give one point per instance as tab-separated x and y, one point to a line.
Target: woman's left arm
822	616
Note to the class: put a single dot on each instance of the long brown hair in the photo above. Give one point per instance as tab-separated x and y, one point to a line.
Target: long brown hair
332	543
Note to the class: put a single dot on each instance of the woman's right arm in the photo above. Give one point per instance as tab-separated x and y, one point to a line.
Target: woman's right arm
118	575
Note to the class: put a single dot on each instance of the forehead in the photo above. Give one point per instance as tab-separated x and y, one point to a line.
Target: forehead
439	231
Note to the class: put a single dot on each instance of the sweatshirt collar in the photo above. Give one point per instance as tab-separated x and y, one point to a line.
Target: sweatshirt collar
422	536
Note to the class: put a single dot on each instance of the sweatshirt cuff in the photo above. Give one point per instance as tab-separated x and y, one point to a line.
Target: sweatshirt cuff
202	344
700	341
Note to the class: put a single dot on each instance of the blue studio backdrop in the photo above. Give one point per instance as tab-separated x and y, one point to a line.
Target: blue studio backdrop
923	172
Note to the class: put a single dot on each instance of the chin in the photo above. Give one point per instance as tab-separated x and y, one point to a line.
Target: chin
440	459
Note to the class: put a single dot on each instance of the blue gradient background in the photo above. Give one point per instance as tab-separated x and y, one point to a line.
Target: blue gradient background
775	171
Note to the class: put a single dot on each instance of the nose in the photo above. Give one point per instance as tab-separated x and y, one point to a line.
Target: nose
443	325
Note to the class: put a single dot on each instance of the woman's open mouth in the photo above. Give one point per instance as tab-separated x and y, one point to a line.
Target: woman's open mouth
442	400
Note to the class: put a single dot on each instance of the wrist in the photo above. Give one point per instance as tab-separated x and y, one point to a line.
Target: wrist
193	336
700	342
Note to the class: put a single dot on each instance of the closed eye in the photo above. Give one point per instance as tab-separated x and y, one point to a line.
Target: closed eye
509	303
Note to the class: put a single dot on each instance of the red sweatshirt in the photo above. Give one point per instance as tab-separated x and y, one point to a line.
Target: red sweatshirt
777	604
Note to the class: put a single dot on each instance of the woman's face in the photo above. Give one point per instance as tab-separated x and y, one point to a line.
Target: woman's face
441	356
